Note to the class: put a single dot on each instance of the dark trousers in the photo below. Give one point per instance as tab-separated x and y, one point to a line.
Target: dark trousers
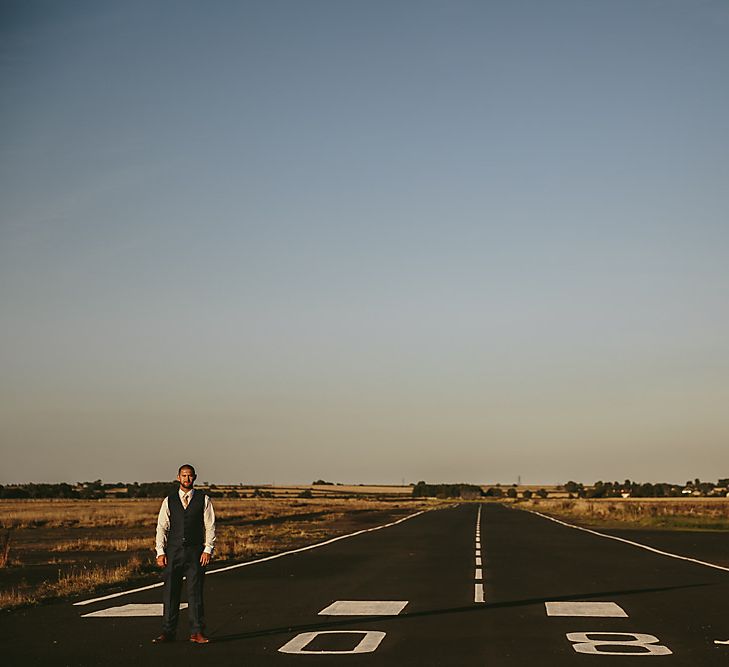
183	561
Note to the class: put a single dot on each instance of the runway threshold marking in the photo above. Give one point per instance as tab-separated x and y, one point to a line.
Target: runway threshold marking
478	596
593	609
130	610
364	608
258	560
634	544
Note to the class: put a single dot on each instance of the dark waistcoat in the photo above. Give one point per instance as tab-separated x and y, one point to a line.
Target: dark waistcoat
187	526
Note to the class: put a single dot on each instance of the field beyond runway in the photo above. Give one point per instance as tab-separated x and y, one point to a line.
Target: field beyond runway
409	594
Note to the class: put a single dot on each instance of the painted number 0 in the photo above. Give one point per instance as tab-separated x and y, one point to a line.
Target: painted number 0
368	642
648	644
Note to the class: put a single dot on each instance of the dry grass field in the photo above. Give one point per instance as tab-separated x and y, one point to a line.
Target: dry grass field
659	513
65	547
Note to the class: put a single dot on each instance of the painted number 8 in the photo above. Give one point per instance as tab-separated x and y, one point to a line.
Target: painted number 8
648	644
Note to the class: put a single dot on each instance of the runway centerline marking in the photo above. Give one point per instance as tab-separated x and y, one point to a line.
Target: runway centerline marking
592	609
478	595
364	608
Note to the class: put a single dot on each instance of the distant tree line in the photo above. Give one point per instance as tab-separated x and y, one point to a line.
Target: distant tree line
39	491
512	492
423	490
645	489
94	490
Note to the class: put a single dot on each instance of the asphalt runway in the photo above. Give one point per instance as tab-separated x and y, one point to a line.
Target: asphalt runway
476	584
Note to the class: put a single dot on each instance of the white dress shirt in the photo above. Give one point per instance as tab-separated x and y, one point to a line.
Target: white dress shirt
163	522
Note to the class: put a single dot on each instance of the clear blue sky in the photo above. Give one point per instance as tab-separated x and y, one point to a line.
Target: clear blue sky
364	241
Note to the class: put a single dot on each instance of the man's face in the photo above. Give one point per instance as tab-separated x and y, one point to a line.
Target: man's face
186	478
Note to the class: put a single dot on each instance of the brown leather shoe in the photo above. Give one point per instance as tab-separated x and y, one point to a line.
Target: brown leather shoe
199	638
163	638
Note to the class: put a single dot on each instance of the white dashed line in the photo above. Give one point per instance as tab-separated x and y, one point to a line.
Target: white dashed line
478	595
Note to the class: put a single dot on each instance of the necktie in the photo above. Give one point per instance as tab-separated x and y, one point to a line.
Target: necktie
185	501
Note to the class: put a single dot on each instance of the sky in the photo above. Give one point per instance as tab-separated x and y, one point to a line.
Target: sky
364	241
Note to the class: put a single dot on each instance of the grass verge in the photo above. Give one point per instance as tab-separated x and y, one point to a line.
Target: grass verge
666	514
82	580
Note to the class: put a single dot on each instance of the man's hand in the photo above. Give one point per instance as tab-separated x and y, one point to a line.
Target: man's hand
162	560
205	558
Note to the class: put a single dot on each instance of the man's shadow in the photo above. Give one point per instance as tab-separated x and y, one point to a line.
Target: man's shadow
480	608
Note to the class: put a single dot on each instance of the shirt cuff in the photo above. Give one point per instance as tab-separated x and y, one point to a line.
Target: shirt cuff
160	552
209	550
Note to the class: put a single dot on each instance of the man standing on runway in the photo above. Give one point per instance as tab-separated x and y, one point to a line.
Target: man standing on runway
185	541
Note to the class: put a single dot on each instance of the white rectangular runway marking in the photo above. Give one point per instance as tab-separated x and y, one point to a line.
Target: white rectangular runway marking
364	608
478	595
130	610
601	609
479	574
478	560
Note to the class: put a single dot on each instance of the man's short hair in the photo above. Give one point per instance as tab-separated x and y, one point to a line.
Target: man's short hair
186	465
